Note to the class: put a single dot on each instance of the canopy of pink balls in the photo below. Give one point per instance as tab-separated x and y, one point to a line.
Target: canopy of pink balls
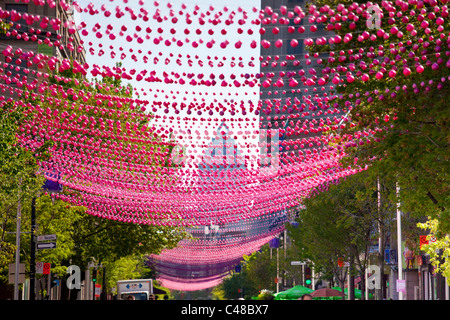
134	186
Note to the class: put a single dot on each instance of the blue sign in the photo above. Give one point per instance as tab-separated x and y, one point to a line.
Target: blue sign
52	184
274	243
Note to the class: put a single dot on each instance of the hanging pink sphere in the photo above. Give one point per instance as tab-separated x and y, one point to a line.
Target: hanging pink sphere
279	43
309	42
265	44
420	68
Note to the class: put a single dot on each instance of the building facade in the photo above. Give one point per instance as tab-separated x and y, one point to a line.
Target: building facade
37	32
287	103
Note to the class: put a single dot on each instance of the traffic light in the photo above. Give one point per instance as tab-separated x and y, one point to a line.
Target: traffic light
307	276
94	275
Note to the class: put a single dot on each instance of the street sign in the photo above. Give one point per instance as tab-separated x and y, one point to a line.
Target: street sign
39	267
98	289
297	263
46	245
46	237
12	272
401	286
46	268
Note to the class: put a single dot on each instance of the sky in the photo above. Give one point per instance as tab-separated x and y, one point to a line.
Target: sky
163	58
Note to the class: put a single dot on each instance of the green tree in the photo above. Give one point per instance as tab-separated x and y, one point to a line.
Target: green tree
19	180
341	222
238	285
438	247
81	236
261	269
400	119
408	118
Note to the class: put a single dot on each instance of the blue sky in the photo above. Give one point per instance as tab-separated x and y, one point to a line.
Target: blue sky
169	30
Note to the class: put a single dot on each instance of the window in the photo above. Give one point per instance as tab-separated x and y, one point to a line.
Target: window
20	8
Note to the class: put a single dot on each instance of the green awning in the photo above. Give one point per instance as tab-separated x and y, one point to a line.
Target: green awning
292	293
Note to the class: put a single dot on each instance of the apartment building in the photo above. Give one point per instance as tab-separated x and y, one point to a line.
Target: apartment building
286	106
36	27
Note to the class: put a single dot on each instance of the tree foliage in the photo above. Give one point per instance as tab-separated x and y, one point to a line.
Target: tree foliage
18	179
120	246
258	272
340	222
407	113
438	247
400	115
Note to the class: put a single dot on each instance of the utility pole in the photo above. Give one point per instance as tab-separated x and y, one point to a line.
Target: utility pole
103	295
33	250
16	275
94	281
278	272
399	242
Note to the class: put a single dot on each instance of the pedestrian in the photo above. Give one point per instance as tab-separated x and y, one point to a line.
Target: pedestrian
306	296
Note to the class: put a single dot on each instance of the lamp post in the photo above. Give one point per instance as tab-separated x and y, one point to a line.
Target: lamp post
33	250
399	241
16	275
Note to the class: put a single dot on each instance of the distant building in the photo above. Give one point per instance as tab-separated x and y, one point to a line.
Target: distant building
222	162
221	173
223	169
285	107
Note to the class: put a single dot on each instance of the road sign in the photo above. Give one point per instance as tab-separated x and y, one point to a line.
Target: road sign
297	263
401	286
39	267
98	289
12	272
46	245
46	237
46	268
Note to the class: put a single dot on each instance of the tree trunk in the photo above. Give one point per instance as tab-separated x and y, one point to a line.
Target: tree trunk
363	284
